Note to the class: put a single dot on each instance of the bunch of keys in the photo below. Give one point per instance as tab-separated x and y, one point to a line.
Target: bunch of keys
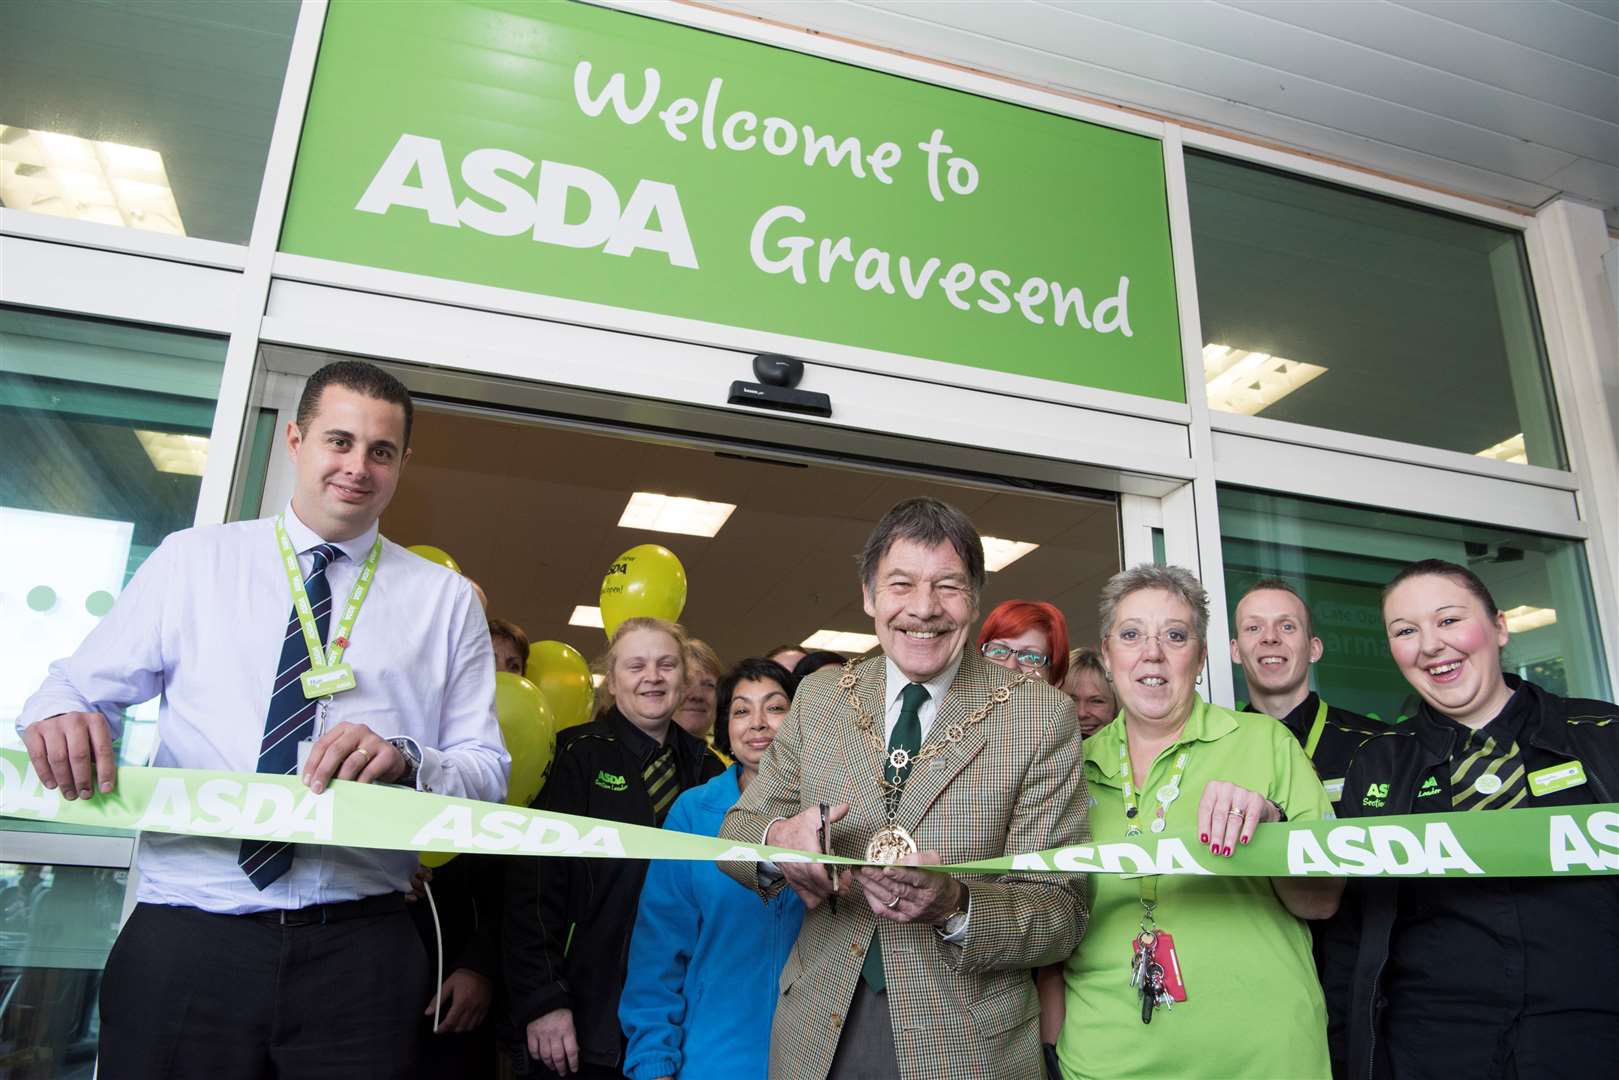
1147	975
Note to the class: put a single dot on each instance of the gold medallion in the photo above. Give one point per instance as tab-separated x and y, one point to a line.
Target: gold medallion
889	845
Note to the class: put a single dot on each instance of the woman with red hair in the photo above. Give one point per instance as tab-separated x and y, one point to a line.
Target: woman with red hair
1027	635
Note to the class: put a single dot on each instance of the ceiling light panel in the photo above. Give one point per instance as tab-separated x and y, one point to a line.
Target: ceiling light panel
170	452
1507	450
587	616
1246	382
46	172
841	641
1524	618
674	514
999	554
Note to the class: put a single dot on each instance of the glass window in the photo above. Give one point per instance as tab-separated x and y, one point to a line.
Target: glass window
1340	557
57	925
154	115
103	438
1342	310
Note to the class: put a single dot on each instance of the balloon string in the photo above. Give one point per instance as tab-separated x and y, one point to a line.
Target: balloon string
438	938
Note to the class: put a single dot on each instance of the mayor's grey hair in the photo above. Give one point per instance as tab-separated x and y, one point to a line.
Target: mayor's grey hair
1175	580
928	521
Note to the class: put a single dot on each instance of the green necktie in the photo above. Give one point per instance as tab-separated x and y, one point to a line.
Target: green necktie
907	734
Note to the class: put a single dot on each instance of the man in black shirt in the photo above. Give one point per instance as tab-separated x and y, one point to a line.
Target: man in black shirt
1275	644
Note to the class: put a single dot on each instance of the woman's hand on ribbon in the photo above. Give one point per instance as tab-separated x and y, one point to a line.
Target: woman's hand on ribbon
1227	815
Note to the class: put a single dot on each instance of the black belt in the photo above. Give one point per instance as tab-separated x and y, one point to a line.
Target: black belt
320	914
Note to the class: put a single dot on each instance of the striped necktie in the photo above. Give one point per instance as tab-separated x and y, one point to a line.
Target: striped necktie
662	784
1485	775
291	718
907	735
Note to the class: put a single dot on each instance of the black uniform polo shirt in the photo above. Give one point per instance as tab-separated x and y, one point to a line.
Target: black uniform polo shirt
1500	977
1342	733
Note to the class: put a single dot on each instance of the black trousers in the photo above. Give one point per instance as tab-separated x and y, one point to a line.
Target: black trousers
190	994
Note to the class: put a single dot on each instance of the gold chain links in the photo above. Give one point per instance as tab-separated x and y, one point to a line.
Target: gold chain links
952	734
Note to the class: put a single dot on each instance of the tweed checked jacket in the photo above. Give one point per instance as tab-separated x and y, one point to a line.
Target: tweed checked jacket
1013	784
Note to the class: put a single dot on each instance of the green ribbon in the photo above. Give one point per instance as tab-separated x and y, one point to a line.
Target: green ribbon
1538	842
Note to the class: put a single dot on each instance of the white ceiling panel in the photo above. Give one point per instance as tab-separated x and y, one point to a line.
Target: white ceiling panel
1562	30
1295	52
1483	59
1514	100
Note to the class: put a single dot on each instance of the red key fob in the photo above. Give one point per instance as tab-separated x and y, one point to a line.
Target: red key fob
1164	952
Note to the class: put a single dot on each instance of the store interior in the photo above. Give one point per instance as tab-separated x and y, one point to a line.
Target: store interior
535	513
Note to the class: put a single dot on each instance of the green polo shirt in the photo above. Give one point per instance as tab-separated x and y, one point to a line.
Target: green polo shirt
1253	1005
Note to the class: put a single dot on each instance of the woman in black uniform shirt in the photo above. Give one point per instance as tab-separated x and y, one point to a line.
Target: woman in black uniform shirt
1481	978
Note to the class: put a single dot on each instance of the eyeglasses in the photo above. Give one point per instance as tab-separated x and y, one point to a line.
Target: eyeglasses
1174	639
997	652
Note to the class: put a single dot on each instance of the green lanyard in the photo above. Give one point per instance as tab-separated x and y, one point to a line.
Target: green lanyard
327	673
1315	729
1167	794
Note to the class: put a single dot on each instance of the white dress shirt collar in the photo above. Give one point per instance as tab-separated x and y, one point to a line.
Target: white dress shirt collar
937	687
303	538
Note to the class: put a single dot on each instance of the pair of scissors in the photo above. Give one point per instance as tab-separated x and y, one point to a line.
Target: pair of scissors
823	841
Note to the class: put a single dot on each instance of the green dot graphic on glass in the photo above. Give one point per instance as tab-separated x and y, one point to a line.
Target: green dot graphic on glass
59	576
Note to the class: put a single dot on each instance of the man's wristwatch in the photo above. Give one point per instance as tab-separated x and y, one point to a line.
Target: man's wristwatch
956	922
413	759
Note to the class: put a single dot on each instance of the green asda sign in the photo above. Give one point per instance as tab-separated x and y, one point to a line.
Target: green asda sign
599	156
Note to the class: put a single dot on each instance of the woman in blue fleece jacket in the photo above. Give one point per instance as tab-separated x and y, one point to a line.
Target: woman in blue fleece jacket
706	954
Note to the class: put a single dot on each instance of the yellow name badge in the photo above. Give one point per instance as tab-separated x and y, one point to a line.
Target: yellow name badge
322	682
1556	778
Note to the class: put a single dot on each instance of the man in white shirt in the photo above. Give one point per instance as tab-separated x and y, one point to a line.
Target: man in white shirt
245	958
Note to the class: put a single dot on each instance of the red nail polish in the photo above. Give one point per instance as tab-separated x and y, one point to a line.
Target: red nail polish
1245	839
1214	849
1204	837
1228	851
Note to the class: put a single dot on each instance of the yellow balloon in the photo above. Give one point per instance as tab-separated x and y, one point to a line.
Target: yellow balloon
530	733
564	678
531	740
646	580
436	555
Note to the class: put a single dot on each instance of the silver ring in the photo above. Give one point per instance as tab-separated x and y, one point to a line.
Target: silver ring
893	903
1237	813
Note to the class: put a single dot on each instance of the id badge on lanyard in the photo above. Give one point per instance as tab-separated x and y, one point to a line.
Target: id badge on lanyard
327	674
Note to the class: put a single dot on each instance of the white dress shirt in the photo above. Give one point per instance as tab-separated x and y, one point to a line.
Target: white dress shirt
202	624
937	687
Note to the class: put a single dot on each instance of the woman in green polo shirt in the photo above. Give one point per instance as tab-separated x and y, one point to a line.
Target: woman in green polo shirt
1235	954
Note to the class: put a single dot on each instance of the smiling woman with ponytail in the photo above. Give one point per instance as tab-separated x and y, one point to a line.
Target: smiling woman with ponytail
1504	977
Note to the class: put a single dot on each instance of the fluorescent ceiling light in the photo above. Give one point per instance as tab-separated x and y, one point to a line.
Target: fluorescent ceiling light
999	554
186	455
1524	618
840	641
1507	450
45	172
1246	382
587	616
669	513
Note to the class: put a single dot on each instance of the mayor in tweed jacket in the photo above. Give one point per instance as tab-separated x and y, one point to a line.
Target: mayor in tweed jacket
1013	784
